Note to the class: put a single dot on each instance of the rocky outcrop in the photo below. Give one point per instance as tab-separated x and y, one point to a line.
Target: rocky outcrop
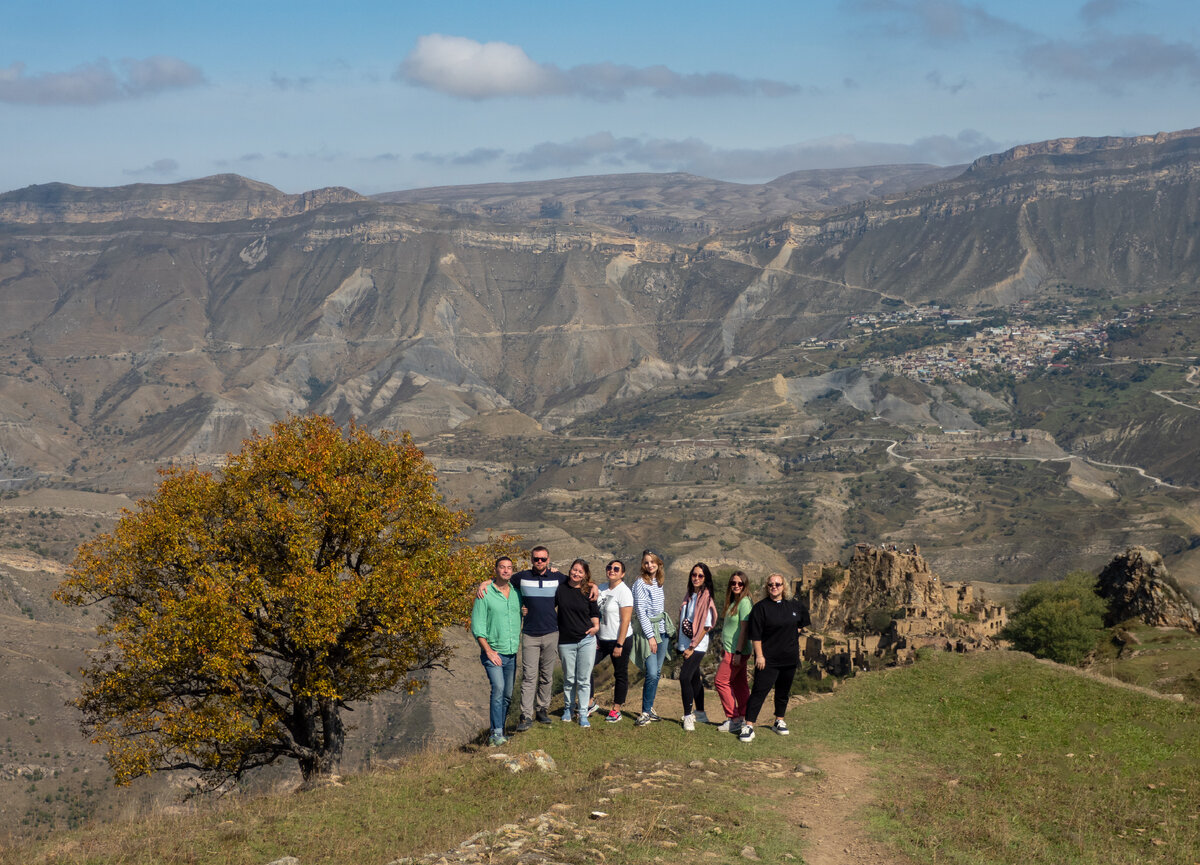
887	602
1080	146
1136	585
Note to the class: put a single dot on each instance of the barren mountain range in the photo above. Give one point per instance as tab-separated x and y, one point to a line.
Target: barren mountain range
608	363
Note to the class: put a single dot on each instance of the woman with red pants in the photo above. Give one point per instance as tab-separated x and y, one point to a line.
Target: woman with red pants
731	674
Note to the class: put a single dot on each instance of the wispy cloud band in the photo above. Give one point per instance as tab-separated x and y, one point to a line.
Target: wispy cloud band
607	152
99	81
462	67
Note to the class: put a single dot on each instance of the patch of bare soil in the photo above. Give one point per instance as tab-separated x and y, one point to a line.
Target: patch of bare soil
831	814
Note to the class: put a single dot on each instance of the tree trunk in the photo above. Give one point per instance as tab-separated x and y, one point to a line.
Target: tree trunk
326	745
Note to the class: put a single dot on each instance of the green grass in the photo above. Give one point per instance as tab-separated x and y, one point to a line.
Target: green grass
435	801
991	758
997	758
1167	660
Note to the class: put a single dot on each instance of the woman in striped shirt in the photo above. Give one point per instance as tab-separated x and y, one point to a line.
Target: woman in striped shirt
650	620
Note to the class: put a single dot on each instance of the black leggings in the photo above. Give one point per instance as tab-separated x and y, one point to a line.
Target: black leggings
779	678
691	683
604	649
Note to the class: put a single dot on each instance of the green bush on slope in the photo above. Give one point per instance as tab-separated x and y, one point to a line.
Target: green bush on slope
1061	620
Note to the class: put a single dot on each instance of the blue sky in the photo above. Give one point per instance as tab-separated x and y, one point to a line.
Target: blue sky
380	96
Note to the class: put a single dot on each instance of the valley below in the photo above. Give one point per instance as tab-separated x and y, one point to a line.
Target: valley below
716	387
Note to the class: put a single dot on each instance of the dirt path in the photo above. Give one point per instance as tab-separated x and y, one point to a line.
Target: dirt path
832	815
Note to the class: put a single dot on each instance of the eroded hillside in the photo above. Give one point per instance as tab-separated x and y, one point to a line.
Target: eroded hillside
739	399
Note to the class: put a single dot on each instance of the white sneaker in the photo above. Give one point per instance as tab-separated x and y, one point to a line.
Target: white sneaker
733	725
643	719
780	727
701	718
689	723
747	734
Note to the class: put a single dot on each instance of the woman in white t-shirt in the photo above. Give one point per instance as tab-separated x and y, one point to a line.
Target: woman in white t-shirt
697	615
615	639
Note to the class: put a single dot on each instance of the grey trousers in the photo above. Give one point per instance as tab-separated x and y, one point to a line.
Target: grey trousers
538	655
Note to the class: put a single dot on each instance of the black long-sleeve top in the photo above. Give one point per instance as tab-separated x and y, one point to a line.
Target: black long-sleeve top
575	614
776	624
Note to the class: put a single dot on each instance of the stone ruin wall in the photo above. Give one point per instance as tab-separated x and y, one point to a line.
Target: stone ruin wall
925	612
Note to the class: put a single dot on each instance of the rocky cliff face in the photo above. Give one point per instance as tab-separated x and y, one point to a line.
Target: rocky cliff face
1136	585
891	600
1108	146
1104	212
152	321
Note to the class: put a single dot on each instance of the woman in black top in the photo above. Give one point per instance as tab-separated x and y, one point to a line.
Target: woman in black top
774	631
578	622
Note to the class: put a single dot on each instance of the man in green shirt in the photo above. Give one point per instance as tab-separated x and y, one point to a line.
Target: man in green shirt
496	626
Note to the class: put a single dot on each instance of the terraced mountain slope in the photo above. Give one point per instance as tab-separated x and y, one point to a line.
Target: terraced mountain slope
603	390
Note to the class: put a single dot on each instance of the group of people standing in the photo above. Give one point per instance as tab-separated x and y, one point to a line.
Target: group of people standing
548	614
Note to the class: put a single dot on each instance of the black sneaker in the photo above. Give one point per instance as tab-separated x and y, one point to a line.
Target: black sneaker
543	717
525	724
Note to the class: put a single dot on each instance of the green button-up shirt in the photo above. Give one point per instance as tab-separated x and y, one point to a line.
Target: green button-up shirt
498	619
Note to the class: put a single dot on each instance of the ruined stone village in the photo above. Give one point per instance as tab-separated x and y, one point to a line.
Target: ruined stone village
887	604
884	606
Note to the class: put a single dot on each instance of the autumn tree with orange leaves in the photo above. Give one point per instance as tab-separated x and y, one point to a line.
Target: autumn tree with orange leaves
245	610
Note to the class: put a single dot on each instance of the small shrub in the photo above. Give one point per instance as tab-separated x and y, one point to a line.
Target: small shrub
1061	620
830	574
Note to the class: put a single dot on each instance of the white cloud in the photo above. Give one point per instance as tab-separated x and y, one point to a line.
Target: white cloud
93	83
468	69
474	70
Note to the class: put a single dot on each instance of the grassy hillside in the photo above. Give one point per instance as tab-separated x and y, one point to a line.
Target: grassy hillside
991	758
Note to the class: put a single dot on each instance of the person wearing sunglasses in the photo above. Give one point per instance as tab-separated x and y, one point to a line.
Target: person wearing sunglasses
615	639
697	615
539	634
774	632
731	683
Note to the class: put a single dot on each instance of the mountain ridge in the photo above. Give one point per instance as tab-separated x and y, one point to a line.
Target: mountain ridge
217	198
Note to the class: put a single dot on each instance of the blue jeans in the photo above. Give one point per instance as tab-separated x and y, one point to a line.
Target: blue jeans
501	679
577	662
653	666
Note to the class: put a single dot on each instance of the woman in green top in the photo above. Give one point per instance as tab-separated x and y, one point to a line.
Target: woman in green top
731	674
